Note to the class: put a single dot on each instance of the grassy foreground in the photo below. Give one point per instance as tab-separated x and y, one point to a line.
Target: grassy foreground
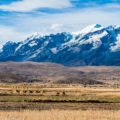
61	115
19	102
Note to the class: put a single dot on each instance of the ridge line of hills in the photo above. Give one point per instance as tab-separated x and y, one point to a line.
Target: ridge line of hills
52	73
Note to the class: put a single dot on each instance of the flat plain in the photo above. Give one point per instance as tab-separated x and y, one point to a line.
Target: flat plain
52	102
58	102
46	91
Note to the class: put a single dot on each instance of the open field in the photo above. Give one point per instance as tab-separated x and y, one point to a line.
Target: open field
73	97
58	102
61	115
72	93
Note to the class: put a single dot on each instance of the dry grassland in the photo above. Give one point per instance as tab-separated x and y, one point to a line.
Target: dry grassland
38	93
36	102
61	115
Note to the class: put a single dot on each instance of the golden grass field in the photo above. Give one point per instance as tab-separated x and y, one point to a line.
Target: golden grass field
71	102
50	93
61	115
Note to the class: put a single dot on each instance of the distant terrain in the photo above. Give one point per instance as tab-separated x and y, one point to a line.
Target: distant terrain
51	73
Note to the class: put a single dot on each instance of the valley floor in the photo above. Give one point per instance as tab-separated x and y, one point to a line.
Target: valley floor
32	102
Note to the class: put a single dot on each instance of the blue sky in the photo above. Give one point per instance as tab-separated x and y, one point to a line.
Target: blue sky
21	18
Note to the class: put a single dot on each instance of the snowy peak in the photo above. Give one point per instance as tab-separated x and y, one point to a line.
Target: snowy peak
91	28
34	36
93	45
88	29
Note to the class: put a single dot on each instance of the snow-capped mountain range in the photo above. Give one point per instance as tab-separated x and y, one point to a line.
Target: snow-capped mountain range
94	45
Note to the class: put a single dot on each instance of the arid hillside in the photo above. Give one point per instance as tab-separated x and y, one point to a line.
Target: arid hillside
13	72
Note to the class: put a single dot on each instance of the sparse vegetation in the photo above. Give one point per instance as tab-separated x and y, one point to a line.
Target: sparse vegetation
75	102
61	115
37	93
51	73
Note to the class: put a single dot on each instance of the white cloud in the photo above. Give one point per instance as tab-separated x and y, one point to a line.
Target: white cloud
56	27
10	34
71	21
30	5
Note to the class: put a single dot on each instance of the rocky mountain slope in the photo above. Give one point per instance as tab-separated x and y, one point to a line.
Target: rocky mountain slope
94	45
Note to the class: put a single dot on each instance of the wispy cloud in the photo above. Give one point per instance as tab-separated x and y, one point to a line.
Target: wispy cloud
30	5
56	27
10	34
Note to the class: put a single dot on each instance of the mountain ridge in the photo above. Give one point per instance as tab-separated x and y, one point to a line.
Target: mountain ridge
93	45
